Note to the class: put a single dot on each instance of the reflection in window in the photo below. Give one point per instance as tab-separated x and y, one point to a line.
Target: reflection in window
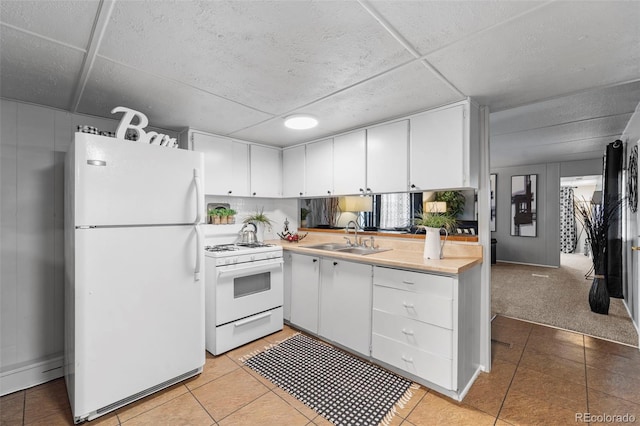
395	211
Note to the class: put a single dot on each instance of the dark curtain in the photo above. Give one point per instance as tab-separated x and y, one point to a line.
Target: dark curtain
611	198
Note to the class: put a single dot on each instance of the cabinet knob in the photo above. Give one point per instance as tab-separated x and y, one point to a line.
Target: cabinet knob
315	260
254	194
362	190
413	186
328	192
369	190
229	192
335	263
301	194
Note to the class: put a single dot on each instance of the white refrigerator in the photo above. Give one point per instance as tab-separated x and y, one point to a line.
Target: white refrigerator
134	290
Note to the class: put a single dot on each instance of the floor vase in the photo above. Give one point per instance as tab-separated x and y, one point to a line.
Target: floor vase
599	295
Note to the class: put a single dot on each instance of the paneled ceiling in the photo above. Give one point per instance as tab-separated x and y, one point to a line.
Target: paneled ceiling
561	78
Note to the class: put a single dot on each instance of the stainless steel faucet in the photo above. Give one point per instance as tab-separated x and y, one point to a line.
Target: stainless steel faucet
355	227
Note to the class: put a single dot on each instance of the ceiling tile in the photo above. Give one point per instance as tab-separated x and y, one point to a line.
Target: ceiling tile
430	25
614	100
65	21
408	89
273	56
36	70
167	104
560	48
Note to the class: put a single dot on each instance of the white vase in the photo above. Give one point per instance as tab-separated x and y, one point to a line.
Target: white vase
432	244
259	231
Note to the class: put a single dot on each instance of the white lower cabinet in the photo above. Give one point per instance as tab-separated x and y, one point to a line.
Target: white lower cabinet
345	304
427	325
305	285
421	325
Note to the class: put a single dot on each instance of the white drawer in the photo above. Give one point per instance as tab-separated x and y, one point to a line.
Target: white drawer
426	337
435	285
419	306
423	364
226	337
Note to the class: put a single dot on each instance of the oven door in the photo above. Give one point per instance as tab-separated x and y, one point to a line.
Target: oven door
248	288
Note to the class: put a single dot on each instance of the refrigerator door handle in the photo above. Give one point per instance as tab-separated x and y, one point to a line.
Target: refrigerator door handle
199	252
199	196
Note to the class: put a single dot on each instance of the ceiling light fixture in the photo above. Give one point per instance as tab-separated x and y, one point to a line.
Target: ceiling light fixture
300	121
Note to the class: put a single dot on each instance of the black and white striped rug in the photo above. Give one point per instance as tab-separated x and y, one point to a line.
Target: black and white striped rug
342	388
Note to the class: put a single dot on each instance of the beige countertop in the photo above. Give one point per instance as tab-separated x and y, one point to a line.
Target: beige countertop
458	257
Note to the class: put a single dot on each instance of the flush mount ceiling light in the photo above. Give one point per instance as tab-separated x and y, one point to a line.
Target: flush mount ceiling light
300	121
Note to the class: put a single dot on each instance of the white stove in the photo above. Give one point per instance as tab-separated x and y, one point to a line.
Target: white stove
244	294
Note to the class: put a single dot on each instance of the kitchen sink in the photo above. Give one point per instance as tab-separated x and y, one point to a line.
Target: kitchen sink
344	248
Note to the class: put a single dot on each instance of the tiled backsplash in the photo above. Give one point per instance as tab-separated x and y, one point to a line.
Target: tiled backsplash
275	209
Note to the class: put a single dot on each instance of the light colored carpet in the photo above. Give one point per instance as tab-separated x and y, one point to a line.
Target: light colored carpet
558	297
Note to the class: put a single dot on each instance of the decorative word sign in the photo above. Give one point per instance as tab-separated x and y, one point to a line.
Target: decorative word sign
126	123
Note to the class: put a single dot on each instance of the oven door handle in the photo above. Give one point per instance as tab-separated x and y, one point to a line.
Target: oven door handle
252	319
273	264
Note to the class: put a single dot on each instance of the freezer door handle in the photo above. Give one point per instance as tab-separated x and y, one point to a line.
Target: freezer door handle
199	252
199	197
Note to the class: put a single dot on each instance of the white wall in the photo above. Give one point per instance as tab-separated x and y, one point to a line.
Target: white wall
33	142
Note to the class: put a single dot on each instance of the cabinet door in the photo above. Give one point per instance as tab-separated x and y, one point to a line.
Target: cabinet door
226	165
387	162
293	171
319	168
345	304
266	171
287	278
349	163
305	273
437	149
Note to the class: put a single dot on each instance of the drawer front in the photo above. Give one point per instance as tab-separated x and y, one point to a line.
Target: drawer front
418	306
435	285
237	333
423	364
426	337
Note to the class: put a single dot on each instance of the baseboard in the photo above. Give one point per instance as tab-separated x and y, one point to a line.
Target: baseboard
26	376
528	264
635	325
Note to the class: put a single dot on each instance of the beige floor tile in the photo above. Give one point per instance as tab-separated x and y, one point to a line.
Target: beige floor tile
62	418
183	410
505	353
513	336
214	367
601	403
554	366
502	321
562	349
12	408
250	348
563	336
45	400
612	362
500	422
227	394
489	389
269	409
309	413
525	409
611	347
438	410
417	396
614	384
145	404
407	423
259	377
321	421
549	389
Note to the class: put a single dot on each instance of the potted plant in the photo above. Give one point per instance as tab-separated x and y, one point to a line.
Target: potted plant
217	217
231	216
596	220
455	201
260	220
224	216
433	222
303	217
211	214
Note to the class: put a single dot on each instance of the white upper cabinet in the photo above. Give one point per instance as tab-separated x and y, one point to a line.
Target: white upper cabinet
293	166
319	168
266	171
444	148
226	164
350	163
387	149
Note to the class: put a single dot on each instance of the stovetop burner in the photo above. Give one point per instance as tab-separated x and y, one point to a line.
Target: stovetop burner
254	245
222	247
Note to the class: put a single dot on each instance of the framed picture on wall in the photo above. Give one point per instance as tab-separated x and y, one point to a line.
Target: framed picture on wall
492	188
523	205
